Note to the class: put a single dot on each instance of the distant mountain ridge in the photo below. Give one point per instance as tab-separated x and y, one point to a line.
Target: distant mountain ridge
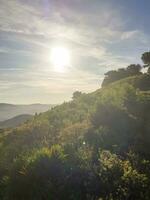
95	143
8	111
15	121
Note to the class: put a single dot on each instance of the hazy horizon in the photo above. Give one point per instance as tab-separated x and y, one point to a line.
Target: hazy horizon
26	103
51	48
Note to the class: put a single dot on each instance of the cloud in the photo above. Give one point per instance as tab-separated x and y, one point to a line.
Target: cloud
38	86
3	50
129	34
96	33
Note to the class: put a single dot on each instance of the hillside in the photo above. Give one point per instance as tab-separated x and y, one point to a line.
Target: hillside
15	121
96	146
8	111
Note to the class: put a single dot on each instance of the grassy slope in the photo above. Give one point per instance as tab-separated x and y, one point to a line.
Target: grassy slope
63	122
69	123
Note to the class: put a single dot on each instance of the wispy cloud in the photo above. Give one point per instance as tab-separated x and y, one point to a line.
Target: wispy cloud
96	32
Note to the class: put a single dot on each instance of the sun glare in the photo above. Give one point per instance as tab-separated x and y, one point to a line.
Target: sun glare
60	58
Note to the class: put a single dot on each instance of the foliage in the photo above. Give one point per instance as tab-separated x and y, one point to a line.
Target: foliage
146	59
96	146
131	70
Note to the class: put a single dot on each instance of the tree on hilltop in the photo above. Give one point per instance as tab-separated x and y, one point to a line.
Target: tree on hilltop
146	60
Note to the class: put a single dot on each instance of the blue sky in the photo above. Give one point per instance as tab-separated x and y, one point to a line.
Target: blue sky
100	35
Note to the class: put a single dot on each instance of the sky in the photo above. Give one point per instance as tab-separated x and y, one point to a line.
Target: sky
100	36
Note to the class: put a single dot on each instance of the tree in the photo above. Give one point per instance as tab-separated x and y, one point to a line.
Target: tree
133	69
146	60
76	94
110	77
113	75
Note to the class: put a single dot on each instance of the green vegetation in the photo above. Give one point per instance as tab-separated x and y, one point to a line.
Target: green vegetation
95	147
146	59
131	70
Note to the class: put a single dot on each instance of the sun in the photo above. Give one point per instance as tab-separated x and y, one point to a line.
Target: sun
60	58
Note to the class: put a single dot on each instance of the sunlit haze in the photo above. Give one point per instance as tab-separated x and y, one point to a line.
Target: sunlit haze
51	48
60	58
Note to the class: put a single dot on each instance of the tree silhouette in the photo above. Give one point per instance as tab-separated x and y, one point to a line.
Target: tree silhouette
115	75
146	60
